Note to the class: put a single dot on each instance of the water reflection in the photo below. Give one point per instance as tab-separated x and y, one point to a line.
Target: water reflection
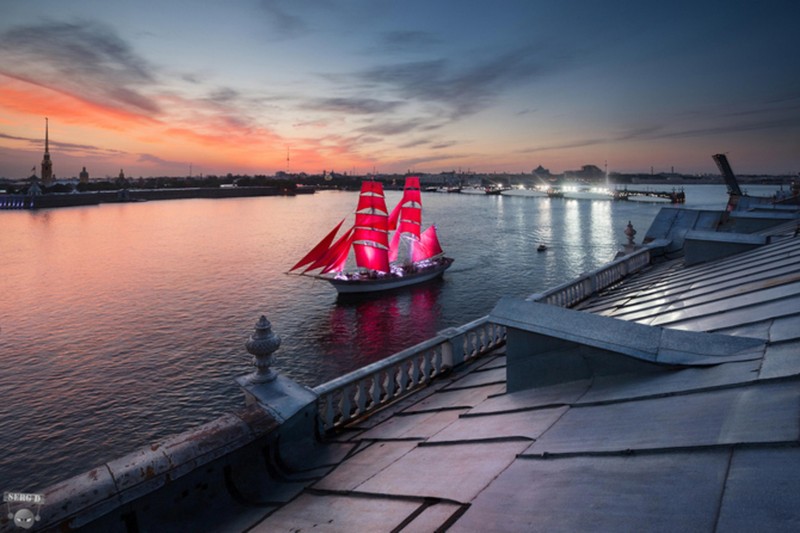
371	327
544	221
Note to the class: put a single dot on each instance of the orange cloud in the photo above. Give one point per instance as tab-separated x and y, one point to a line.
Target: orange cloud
32	99
211	137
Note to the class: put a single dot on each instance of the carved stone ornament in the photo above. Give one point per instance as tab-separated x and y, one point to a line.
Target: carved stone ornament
630	232
261	344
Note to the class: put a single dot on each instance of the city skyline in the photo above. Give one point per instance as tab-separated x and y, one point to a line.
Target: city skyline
353	86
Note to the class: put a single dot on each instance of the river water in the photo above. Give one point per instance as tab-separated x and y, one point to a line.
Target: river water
122	324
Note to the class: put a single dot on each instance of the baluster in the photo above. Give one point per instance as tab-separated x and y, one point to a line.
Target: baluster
361	397
327	417
415	372
346	404
376	389
471	340
403	376
391	382
438	359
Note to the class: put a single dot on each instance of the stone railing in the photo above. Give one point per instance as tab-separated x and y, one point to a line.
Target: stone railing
374	386
578	289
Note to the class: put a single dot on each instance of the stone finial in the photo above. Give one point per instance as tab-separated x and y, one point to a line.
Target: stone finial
261	344
630	232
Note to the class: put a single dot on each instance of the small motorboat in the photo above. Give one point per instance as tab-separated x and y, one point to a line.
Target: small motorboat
541	248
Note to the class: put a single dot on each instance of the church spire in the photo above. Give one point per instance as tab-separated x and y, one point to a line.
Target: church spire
47	165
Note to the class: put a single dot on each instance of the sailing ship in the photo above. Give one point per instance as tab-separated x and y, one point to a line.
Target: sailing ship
411	256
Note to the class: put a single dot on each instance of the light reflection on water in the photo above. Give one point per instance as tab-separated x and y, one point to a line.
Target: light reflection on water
121	324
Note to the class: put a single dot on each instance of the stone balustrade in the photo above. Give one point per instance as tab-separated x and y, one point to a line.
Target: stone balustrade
371	387
578	289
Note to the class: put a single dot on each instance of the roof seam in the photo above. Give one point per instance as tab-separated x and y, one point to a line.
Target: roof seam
662	450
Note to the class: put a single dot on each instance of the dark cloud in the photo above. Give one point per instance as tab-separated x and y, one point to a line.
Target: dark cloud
644	132
358	106
13	137
224	95
150	158
459	90
369	140
58	146
230	108
407	41
575	144
283	23
72	147
440	158
85	59
772	124
190	77
442	145
415	143
393	127
650	133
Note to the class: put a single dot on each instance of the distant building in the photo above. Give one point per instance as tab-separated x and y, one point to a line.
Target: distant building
47	165
541	172
84	176
121	181
587	172
34	189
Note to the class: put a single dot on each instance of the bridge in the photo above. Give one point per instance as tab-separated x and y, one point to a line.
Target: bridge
675	196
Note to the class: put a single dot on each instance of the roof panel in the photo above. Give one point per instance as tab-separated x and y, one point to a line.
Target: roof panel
766	413
670	492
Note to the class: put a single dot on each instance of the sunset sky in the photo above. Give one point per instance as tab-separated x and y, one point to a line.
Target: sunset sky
389	86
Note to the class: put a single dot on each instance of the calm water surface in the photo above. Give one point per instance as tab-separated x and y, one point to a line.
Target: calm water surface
121	324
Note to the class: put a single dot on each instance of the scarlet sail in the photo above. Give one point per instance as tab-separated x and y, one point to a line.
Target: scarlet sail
379	263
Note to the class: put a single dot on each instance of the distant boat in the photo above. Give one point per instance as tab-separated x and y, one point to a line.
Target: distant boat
483	190
522	191
541	248
587	193
411	257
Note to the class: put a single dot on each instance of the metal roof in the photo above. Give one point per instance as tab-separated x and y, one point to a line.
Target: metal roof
706	448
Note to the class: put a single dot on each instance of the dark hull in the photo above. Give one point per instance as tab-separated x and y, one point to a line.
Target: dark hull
366	285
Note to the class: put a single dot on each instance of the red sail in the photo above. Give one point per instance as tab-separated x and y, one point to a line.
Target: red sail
371	257
333	252
319	250
407	216
371	199
371	248
410	216
394	246
394	215
375	187
370	236
339	254
427	247
378	222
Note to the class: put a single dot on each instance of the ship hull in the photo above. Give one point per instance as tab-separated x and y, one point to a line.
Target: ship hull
367	285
